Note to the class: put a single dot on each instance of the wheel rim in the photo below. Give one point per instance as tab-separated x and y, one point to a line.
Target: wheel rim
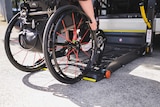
66	45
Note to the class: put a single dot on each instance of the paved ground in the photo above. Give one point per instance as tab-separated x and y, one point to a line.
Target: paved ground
135	85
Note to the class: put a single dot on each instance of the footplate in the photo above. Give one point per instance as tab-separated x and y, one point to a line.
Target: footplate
94	76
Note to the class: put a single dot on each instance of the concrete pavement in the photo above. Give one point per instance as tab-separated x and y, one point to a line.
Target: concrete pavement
135	85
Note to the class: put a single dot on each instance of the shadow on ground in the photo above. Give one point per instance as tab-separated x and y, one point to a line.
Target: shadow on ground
121	90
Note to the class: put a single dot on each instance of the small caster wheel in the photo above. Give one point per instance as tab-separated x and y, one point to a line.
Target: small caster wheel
108	74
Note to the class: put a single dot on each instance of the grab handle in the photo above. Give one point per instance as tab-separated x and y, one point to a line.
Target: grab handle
143	14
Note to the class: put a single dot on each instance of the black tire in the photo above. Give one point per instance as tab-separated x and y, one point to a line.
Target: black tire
22	58
66	58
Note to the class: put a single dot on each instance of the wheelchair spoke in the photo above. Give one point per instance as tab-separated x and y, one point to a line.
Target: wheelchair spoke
84	35
79	24
24	58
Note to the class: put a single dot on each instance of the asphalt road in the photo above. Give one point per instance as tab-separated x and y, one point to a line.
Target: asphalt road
135	85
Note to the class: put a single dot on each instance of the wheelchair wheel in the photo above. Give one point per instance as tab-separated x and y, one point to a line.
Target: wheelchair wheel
20	55
68	44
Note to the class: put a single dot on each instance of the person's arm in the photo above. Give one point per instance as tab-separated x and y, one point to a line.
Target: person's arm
87	7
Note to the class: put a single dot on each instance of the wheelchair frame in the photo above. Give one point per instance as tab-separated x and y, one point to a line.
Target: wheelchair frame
40	31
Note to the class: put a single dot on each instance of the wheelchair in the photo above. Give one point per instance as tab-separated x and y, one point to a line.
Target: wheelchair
48	33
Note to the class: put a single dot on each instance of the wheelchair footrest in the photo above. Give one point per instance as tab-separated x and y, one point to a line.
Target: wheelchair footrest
94	76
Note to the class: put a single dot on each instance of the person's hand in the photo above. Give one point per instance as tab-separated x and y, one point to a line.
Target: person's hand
93	25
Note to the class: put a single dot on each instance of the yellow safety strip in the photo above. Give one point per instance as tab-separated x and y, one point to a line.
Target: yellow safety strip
89	79
44	69
129	31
